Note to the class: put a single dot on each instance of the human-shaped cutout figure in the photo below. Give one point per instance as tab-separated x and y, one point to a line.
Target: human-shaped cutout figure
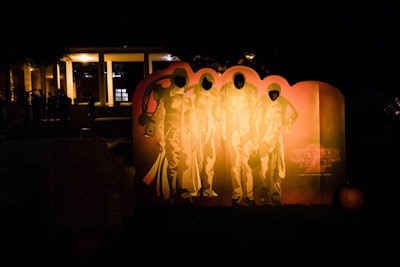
206	102
239	99
274	117
176	130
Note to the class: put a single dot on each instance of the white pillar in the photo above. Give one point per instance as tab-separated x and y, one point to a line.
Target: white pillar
70	81
110	86
58	76
27	78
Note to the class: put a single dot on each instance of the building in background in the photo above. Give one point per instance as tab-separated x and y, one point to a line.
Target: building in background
110	74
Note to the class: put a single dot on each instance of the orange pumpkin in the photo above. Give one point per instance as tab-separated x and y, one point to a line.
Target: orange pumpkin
350	198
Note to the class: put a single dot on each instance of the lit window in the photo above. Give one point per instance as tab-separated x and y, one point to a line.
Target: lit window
121	95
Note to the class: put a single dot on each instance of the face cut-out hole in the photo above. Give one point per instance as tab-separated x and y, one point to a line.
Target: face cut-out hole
238	80
206	84
273	95
180	81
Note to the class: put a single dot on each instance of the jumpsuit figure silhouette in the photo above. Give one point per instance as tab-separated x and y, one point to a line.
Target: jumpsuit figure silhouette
206	102
239	99
177	135
274	117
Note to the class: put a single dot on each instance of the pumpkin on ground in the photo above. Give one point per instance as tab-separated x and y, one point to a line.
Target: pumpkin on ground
350	197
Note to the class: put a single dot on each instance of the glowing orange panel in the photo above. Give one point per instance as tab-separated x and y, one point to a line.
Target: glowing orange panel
232	138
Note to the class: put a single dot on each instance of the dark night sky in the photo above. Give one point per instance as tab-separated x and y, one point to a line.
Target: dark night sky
348	44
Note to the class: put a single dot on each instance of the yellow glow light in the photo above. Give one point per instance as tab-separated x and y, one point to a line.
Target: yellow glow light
83	58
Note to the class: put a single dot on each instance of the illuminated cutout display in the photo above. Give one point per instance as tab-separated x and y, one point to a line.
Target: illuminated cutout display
234	139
